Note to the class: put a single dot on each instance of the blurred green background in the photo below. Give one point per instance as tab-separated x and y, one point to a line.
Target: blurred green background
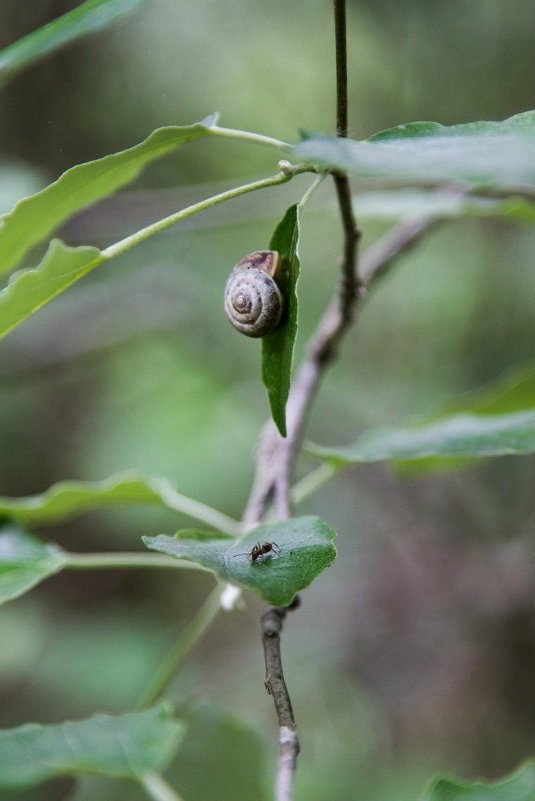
416	652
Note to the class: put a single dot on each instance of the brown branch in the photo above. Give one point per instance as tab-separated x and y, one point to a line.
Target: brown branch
272	621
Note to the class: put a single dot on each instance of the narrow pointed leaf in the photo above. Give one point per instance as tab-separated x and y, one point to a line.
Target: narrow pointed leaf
520	786
25	561
33	219
278	348
123	746
487	155
89	17
458	436
67	499
304	549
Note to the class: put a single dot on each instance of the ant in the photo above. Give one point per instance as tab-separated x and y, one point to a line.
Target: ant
259	550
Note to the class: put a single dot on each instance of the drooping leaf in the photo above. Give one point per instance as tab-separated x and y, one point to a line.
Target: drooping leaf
519	786
304	549
87	18
278	347
67	499
123	746
33	219
460	435
486	155
25	561
30	290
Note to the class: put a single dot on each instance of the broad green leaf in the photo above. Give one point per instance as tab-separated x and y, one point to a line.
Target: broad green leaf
30	290
486	155
200	770
89	17
305	549
124	746
24	562
68	499
520	786
403	204
33	219
278	348
461	435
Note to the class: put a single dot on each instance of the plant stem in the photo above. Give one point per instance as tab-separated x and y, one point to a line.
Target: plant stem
140	236
247	136
341	66
188	638
198	510
311	482
272	621
103	561
158	789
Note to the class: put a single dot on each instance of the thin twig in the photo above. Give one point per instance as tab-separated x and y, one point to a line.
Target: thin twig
272	621
158	789
187	639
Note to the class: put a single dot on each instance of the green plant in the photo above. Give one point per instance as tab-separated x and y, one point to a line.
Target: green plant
479	169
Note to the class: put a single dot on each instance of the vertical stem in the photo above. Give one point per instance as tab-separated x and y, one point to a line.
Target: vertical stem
341	66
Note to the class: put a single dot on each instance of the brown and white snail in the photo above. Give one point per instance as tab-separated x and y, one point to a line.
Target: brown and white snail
254	303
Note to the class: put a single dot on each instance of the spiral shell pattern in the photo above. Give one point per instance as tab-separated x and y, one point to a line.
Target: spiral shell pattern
253	301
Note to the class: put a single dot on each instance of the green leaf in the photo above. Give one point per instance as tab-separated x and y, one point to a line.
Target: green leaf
24	562
30	290
67	499
89	17
403	204
461	435
33	219
519	786
123	746
305	549
486	155
278	347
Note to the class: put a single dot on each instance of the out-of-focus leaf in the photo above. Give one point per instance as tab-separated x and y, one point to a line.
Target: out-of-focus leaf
24	562
278	347
403	204
520	786
512	392
124	746
214	741
461	435
89	17
486	155
68	499
304	549
200	770
30	290
34	218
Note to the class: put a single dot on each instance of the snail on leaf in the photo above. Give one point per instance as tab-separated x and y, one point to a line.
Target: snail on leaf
254	303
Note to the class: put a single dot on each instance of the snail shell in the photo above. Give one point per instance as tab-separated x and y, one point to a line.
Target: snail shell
253	300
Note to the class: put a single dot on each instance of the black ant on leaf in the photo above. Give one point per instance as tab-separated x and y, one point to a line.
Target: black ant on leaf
259	550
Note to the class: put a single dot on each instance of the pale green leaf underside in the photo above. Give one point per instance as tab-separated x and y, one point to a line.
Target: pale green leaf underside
34	218
520	786
486	155
278	348
126	746
89	17
67	499
459	436
407	204
305	547
25	561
